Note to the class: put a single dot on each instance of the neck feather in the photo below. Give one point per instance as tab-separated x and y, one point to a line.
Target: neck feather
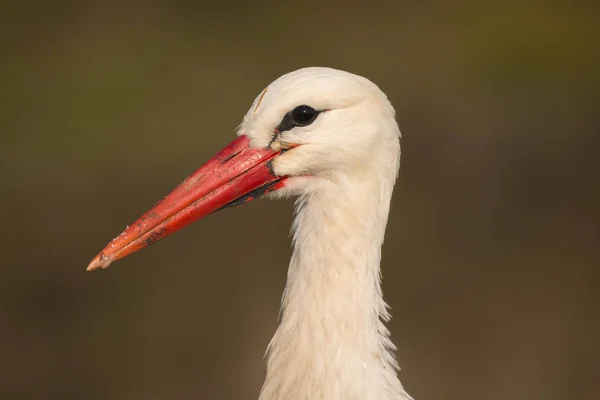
332	342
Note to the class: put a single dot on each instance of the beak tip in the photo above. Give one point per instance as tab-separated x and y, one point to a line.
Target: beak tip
100	261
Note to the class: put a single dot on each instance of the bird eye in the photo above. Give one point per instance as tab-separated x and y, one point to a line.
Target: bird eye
299	116
303	115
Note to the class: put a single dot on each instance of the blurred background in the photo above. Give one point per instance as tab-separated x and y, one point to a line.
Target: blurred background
491	262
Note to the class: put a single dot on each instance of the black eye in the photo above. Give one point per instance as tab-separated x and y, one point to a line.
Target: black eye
299	116
303	115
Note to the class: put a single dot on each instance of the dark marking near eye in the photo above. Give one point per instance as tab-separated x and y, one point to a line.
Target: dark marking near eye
300	116
286	124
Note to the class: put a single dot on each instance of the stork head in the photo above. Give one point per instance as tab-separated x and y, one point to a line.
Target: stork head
310	127
331	121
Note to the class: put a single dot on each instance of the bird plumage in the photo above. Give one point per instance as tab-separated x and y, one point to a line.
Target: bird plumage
332	342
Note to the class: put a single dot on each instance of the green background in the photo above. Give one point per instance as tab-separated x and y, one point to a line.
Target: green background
490	262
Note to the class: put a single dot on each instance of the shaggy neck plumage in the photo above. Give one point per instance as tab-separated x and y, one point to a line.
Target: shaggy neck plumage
331	342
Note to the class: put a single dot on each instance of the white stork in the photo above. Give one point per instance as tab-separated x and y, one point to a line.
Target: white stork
331	139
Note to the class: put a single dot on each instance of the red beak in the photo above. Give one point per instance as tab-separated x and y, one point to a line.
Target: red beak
236	175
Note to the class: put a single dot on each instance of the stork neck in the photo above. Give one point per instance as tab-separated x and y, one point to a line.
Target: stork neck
331	342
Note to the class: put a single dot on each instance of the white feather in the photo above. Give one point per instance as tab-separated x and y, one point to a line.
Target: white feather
332	342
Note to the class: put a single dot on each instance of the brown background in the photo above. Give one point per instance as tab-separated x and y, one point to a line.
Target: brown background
491	256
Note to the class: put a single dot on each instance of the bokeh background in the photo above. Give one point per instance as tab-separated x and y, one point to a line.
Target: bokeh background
491	261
